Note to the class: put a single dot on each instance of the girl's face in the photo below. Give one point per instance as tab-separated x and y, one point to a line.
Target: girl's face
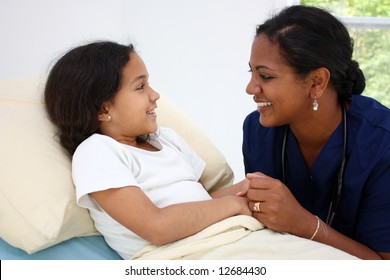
281	96
132	112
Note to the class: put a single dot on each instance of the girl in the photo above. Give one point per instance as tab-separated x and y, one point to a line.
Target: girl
139	182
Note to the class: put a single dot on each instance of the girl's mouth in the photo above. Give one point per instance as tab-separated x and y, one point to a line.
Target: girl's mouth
152	113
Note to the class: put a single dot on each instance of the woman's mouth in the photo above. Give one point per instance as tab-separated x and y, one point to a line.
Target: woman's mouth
263	104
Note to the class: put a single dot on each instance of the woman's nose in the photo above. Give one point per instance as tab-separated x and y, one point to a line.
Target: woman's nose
252	87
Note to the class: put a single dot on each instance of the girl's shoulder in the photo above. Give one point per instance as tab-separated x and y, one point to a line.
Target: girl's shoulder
166	134
98	143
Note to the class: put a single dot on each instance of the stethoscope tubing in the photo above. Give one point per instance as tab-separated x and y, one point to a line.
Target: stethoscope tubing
338	186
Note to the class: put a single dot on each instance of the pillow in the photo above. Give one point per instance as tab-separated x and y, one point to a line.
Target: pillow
37	197
37	205
218	173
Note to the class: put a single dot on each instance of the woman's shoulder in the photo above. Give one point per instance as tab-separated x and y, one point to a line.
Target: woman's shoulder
369	129
252	118
253	128
370	112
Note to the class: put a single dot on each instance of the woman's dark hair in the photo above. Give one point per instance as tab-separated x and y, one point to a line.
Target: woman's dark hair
310	38
78	85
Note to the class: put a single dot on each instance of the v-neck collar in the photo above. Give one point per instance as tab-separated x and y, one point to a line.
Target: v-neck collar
313	182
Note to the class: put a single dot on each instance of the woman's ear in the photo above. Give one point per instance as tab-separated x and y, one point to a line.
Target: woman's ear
104	113
320	82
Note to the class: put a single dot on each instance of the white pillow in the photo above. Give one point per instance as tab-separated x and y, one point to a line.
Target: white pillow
37	197
218	173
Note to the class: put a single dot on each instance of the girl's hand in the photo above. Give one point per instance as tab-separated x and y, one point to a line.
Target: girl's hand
243	186
243	201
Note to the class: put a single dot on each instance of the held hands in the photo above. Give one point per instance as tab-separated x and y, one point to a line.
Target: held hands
278	209
244	186
245	210
236	194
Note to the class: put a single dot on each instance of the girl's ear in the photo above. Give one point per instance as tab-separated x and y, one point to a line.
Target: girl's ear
103	114
320	82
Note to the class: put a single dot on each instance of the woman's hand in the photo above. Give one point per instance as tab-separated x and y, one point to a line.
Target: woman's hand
279	210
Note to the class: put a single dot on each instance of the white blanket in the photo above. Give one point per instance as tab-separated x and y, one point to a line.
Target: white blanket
241	237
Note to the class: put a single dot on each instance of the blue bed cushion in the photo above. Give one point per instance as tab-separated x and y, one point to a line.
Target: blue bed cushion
78	248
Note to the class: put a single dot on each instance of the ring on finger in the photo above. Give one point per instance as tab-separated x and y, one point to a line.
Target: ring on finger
256	207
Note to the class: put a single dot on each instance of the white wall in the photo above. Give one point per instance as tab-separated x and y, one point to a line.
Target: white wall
34	33
197	52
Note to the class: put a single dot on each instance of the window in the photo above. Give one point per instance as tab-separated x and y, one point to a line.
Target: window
368	22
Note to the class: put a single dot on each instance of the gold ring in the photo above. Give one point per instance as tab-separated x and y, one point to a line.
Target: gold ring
256	207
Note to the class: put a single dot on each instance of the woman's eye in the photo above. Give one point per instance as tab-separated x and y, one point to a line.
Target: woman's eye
262	76
266	77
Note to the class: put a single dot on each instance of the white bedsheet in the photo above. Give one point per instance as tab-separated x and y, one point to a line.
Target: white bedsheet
241	237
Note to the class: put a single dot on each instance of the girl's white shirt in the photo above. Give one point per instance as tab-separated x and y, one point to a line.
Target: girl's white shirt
167	176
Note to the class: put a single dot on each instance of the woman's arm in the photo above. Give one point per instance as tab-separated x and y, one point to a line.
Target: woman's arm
329	236
134	210
281	212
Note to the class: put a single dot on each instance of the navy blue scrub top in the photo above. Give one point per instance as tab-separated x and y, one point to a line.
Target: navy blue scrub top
364	209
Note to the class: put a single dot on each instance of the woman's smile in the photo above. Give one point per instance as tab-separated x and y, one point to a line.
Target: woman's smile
263	106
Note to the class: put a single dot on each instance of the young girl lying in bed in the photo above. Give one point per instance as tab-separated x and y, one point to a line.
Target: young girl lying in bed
139	182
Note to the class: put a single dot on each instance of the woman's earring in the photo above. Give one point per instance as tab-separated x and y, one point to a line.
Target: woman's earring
315	104
109	118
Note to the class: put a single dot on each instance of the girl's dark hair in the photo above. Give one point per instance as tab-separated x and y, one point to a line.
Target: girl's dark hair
78	85
310	38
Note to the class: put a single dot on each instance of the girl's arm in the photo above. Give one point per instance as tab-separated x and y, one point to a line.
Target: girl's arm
133	209
239	189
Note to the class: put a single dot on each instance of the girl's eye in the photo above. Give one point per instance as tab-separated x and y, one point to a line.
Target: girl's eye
141	87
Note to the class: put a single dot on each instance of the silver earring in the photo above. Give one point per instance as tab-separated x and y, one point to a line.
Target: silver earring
315	104
109	118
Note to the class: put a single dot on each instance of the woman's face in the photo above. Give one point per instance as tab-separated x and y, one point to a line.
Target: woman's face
281	96
132	113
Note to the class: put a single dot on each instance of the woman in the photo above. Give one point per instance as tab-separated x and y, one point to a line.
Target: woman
138	185
321	149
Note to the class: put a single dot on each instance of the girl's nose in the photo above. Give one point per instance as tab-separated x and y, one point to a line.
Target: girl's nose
154	94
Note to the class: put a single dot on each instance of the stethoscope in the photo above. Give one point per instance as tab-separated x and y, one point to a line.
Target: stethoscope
337	187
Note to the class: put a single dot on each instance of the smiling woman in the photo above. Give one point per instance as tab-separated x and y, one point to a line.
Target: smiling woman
279	93
311	138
